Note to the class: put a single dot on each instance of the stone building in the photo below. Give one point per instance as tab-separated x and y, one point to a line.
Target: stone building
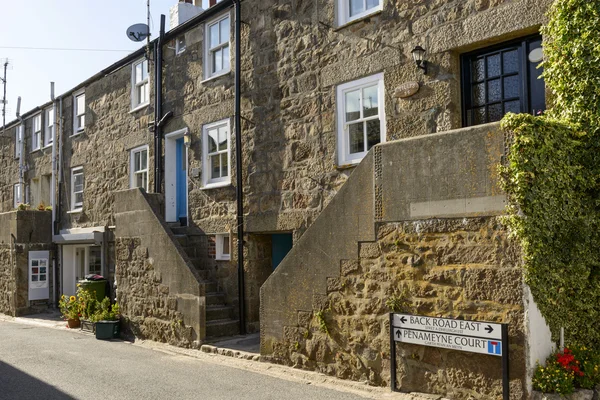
360	184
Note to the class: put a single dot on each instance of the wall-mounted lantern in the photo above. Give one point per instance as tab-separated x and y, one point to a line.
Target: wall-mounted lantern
187	138
418	54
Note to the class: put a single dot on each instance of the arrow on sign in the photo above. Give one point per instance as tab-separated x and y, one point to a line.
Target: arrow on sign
403	320
489	329
398	334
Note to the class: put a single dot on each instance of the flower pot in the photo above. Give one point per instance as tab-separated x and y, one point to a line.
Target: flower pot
73	323
88	326
106	330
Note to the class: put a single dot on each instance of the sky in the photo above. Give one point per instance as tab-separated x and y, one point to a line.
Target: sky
72	24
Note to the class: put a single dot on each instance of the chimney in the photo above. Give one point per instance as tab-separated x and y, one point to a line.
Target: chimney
212	2
183	11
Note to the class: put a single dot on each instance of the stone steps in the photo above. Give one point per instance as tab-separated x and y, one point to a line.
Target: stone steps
222	327
215	298
218	312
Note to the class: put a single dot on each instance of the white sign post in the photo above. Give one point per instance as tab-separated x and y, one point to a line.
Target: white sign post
453	334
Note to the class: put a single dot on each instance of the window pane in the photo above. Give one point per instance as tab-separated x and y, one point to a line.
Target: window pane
138	73
215	167
42	277
80	104
356	7
42	270
479	94
144	161
495	112
357	138
494	92
478	70
34	278
370	103
511	86
212	140
352	105
479	115
95	260
225	52
144	70
139	180
372	3
81	121
373	133
50	117
224	26
225	245
136	161
222	138
217	60
79	198
224	162
78	185
493	66
214	35
512	106
510	61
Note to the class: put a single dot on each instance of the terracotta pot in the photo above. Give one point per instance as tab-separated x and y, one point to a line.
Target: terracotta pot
73	323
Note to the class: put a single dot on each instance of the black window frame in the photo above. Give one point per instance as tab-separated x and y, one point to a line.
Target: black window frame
522	45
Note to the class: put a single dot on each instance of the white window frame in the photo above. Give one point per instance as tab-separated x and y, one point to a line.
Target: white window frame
78	113
17	195
344	156
48	127
208	51
19	140
344	11
76	207
208	183
133	172
180	44
36	132
136	102
220	239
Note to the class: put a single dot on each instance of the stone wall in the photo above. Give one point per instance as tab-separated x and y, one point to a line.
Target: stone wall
457	268
9	169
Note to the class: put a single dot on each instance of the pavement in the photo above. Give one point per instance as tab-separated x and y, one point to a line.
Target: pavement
40	358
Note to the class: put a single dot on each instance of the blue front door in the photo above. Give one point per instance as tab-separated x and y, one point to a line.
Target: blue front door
181	181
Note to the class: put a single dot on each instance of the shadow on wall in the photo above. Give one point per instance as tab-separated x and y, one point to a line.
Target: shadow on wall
16	384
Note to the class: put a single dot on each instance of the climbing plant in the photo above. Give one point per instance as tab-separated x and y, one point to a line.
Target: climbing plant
552	176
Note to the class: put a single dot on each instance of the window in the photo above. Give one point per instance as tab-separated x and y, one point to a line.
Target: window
49	128
38	277
216	154
502	79
77	184
94	260
139	168
361	118
350	10
18	141
180	44
36	137
223	247
78	113
17	195
140	85
217	46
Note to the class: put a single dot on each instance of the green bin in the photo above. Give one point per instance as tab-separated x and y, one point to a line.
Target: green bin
106	330
95	286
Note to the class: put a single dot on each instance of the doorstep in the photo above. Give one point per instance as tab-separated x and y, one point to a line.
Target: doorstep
246	347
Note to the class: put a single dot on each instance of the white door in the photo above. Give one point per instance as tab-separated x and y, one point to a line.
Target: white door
39	275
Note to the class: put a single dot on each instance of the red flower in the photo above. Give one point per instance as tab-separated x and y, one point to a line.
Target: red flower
568	362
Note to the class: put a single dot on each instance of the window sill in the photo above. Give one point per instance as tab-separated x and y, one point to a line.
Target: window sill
47	146
357	20
223	258
76	211
78	133
215	76
216	185
138	108
35	150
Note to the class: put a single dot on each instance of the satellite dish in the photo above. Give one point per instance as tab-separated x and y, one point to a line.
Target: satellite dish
138	32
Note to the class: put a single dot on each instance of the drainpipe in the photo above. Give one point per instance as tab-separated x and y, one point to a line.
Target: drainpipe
158	117
53	188
21	134
58	135
238	166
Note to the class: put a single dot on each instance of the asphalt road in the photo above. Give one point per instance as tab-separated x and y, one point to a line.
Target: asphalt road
43	363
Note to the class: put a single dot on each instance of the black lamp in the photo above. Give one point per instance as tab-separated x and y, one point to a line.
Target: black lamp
418	54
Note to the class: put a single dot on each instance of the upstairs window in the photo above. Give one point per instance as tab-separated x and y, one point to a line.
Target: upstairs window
216	154
223	247
49	127
36	137
139	168
77	185
140	96
361	118
18	141
78	113
350	10
180	44
217	46
502	79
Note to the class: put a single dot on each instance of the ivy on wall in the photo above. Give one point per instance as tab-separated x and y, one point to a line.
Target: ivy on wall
552	177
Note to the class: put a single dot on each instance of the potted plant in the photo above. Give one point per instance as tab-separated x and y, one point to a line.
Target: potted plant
70	308
89	305
106	320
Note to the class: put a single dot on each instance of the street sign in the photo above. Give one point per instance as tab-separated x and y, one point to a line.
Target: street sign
453	334
449	341
478	329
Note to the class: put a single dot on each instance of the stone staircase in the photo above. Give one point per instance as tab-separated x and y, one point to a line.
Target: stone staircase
219	314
